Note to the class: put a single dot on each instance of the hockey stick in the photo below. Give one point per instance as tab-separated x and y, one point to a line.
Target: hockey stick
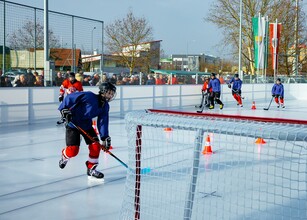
202	100
269	104
143	171
203	104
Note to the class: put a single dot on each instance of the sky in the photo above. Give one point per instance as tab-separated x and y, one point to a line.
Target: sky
179	24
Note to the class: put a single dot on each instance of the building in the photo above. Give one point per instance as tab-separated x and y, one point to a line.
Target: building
146	54
302	56
189	62
34	59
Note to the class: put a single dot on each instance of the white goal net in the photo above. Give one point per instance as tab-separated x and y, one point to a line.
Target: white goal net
257	168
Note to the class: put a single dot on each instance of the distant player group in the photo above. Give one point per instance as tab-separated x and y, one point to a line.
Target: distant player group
211	92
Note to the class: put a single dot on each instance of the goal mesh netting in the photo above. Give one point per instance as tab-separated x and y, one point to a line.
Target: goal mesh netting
173	174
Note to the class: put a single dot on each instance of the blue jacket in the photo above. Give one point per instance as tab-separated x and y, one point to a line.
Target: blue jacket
215	85
278	89
85	106
237	84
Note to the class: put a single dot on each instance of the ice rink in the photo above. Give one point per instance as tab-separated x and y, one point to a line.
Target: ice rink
32	186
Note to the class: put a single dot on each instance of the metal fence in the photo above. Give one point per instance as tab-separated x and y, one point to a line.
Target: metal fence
22	39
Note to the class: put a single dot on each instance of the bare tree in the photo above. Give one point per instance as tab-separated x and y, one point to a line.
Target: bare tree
225	14
24	37
124	37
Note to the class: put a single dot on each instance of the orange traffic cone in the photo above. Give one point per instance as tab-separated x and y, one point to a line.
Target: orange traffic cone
254	105
207	148
168	129
260	141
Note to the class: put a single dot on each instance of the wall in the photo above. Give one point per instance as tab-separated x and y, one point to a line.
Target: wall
29	105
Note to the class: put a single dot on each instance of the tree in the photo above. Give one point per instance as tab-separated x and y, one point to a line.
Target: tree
24	37
225	14
124	37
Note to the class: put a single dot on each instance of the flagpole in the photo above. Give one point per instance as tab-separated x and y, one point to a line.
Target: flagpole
240	42
296	58
275	48
266	48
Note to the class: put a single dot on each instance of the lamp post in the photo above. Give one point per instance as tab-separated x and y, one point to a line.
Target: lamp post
240	43
92	47
188	52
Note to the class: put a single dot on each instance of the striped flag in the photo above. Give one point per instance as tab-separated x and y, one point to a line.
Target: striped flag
275	31
260	33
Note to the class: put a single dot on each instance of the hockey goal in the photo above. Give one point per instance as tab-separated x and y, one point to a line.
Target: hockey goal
257	168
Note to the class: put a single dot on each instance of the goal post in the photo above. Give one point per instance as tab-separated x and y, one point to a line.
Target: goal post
214	166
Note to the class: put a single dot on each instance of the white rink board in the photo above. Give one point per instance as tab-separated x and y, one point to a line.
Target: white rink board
129	99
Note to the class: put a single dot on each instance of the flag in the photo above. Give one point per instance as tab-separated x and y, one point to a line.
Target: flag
275	31
260	33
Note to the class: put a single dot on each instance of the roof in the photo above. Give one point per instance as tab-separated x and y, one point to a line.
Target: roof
147	42
64	57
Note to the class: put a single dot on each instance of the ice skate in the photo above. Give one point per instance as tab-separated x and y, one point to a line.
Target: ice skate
221	106
93	174
211	107
63	161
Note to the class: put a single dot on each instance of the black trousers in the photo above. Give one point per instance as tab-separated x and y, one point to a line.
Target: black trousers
73	136
215	96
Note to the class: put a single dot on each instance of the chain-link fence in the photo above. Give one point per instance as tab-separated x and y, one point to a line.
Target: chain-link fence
71	38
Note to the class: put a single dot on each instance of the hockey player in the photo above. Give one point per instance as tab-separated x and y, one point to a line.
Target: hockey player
215	85
278	93
80	108
205	94
69	85
236	89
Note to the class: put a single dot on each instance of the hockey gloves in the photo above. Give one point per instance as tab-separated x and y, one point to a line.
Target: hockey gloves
106	142
229	86
273	95
61	97
66	115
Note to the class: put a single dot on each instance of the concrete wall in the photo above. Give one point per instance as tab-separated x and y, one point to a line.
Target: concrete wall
29	105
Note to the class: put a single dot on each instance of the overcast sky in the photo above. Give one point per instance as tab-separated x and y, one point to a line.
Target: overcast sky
178	23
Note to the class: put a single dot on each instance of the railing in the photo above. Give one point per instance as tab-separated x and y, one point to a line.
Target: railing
31	104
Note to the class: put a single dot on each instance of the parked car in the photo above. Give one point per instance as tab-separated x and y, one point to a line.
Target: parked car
13	73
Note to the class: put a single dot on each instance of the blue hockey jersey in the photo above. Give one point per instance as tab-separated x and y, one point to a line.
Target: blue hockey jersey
215	85
237	84
85	106
278	89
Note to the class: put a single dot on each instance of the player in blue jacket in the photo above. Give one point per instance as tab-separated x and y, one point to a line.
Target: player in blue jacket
236	89
216	91
80	108
278	93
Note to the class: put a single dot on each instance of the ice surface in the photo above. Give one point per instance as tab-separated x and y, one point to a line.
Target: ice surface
33	187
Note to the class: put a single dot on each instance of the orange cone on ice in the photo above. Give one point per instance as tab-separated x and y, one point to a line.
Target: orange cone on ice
168	129
207	148
260	141
254	105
